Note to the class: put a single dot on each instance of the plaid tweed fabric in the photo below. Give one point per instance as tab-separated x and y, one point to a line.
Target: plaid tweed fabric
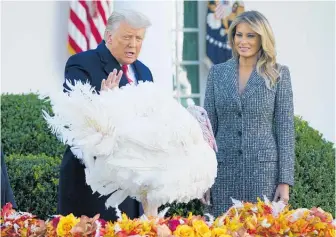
254	133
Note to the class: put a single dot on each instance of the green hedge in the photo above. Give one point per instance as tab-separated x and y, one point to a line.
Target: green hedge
25	132
314	169
34	180
23	129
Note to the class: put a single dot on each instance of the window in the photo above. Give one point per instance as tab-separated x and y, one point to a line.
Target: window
186	53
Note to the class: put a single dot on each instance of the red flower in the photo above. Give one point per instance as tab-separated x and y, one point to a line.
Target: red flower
173	224
318	212
267	209
252	232
7	210
55	221
102	222
121	234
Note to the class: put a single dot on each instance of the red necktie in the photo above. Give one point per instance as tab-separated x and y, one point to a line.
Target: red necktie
124	68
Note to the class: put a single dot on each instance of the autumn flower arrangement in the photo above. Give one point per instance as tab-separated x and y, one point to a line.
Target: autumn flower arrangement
263	218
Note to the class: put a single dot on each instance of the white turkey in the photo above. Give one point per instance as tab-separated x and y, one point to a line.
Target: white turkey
150	148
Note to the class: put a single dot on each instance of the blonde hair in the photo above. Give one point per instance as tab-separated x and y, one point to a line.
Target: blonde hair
266	64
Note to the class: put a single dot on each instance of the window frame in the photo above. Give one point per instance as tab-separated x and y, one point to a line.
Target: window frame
176	63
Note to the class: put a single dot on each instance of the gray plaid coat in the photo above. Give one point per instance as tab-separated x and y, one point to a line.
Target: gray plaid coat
254	133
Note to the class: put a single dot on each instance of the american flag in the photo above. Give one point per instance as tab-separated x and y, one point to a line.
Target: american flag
222	9
87	22
217	47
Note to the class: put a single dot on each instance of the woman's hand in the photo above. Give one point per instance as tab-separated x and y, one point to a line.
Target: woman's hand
282	193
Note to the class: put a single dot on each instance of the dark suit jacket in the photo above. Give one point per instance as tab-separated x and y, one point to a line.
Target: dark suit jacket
6	189
74	195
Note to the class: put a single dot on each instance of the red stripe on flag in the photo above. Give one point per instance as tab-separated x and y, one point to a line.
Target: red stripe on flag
77	22
102	12
95	31
74	45
87	26
93	27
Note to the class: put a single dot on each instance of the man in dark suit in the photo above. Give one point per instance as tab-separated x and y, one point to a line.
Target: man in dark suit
113	63
6	189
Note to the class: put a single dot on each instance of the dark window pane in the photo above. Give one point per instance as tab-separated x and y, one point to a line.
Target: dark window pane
190	14
190	46
190	101
189	79
186	82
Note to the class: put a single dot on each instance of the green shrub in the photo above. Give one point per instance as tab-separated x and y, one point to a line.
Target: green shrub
183	209
34	180
23	129
314	169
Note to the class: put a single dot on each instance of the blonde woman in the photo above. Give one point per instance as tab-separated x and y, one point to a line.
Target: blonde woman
250	103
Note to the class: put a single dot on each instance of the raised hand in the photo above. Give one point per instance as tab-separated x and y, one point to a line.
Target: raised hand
112	80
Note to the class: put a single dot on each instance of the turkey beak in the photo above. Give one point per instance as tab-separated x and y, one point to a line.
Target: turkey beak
208	124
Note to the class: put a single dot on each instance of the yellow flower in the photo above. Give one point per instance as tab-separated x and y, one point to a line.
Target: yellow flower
184	231
219	232
320	226
234	224
201	229
251	222
127	224
146	228
65	225
331	232
109	229
218	222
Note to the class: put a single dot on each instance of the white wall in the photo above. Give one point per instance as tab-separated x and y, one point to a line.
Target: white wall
305	38
33	49
33	45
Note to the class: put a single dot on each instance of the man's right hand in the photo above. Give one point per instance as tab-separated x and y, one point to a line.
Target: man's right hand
112	81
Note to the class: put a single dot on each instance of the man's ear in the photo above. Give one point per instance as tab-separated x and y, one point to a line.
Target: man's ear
109	37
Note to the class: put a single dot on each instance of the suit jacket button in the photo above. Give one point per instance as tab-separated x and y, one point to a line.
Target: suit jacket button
240	152
240	133
239	114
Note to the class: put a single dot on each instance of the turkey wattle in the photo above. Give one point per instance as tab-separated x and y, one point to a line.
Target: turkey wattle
138	142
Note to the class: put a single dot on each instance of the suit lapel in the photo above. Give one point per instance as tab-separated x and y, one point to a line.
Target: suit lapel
137	71
110	66
232	80
254	82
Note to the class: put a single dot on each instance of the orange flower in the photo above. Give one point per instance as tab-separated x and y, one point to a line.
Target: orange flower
163	231
86	226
